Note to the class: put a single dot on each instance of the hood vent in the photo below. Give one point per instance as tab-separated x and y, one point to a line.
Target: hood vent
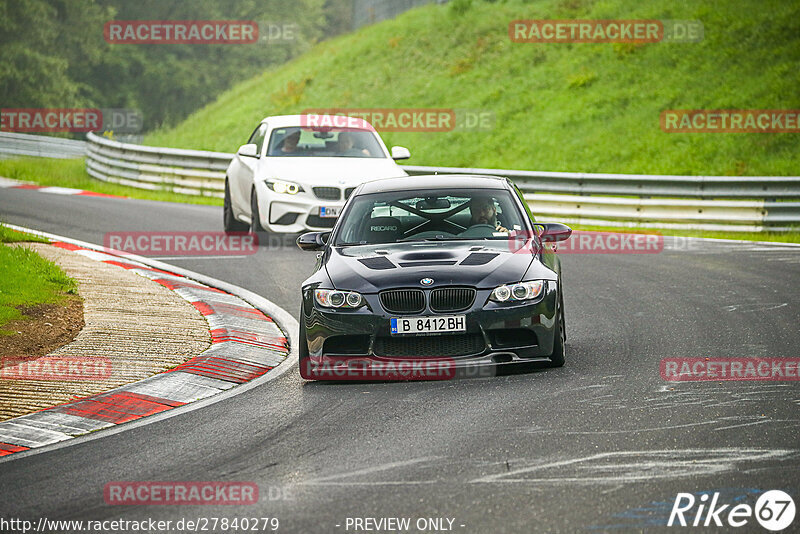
427	255
425	263
479	258
377	263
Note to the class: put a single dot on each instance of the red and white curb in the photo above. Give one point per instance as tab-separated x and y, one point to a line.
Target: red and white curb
246	345
7	183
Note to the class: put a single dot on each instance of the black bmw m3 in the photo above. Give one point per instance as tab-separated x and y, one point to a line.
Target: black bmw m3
445	270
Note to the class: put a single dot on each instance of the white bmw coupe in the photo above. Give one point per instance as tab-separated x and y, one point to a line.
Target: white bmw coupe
296	172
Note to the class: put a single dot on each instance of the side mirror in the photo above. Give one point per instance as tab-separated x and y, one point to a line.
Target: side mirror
553	232
313	240
250	150
399	152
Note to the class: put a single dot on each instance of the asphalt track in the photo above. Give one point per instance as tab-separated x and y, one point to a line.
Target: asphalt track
602	444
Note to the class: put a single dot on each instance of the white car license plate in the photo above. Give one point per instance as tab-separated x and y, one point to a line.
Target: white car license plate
329	212
429	325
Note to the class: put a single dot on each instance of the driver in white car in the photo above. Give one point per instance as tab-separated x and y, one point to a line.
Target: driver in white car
289	143
482	210
347	145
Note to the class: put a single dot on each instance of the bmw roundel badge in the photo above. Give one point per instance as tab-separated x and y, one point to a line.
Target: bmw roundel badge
426	281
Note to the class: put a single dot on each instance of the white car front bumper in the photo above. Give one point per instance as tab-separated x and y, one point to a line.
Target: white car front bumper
291	214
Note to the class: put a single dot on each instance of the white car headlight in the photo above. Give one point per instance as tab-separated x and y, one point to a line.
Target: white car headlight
289	188
517	292
332	298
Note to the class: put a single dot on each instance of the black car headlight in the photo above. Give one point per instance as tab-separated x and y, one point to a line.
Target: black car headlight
333	298
516	292
280	186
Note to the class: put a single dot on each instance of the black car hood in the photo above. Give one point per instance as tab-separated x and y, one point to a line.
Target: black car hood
481	264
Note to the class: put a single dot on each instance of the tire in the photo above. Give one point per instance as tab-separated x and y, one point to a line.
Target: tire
255	220
229	222
302	349
559	342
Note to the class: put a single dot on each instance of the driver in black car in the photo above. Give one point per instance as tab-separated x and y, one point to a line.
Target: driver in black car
482	210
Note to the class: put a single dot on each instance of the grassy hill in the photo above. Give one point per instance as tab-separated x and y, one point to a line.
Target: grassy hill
558	107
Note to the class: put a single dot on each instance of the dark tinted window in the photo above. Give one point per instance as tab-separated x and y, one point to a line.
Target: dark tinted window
431	215
328	142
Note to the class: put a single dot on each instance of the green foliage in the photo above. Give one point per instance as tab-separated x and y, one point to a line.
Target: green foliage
7	235
338	17
27	279
53	53
292	95
459	7
559	107
44	55
582	79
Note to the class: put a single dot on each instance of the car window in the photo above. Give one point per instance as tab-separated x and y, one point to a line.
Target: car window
430	215
258	137
327	142
525	203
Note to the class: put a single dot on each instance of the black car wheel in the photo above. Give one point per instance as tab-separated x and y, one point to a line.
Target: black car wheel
559	343
229	222
255	219
302	347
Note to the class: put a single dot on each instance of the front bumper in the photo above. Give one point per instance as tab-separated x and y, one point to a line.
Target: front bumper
496	334
291	214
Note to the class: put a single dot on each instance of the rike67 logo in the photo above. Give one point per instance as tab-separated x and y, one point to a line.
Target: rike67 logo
774	510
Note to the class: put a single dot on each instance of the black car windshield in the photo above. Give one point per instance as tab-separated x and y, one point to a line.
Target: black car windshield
435	215
324	142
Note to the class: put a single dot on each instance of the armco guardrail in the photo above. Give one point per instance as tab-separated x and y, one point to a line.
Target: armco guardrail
16	144
690	202
193	172
749	187
697	202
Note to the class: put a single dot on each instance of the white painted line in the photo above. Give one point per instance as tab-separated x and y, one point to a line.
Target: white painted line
216	257
368	471
60	190
19	433
153	275
203	295
63	422
769	243
8	182
179	386
637	466
97	256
